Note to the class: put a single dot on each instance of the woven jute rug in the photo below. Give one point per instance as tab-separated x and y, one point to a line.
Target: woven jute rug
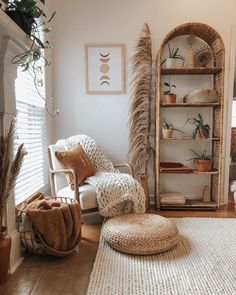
204	262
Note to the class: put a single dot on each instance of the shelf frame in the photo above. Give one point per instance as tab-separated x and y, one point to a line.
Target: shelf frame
215	42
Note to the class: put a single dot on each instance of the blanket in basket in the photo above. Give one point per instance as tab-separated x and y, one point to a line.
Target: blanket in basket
117	193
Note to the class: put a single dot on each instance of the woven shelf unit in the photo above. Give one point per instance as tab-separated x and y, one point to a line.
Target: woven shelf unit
212	38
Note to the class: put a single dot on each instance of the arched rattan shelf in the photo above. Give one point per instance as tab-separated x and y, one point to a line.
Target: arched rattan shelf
212	38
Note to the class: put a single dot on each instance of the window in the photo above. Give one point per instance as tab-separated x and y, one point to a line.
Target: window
30	130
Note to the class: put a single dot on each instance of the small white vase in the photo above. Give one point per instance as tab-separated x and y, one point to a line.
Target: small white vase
171	63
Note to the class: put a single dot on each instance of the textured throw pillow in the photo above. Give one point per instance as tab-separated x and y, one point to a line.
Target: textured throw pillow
76	158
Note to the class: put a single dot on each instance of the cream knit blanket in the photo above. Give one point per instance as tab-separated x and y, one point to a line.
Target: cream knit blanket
117	193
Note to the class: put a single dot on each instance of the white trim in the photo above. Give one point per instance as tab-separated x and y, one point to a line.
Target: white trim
228	106
15	257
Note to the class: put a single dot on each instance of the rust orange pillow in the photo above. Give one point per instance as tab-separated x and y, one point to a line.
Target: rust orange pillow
76	158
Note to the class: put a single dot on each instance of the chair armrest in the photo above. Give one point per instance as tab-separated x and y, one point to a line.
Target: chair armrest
125	166
65	171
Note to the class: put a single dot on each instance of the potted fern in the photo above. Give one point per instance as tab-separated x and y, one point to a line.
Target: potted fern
173	56
9	170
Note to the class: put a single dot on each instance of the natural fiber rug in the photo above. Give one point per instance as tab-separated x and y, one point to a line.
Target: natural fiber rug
204	262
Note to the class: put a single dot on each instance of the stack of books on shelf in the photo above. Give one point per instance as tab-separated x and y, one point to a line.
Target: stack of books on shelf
171	167
174	198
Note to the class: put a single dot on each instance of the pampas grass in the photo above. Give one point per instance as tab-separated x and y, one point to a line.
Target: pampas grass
140	108
9	167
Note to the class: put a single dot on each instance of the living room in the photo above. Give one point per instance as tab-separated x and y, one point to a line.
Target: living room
70	108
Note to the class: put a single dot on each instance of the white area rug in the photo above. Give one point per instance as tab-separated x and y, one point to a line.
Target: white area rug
203	263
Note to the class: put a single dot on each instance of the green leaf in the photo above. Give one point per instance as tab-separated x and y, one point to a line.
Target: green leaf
52	16
166	84
39	42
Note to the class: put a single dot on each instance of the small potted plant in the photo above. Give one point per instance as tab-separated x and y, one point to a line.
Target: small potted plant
203	161
170	61
201	129
169	96
167	130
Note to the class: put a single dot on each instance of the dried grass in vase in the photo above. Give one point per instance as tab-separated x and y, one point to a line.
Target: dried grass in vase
9	167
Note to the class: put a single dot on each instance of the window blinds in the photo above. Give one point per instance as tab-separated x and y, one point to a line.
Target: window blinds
30	130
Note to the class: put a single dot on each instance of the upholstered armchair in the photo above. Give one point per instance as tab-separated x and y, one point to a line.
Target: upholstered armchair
85	194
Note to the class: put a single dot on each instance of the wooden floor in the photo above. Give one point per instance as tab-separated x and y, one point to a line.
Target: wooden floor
44	275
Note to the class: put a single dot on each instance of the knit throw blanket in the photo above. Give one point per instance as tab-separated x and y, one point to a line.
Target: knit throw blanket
117	193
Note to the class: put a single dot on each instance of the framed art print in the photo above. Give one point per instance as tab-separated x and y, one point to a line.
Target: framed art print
105	68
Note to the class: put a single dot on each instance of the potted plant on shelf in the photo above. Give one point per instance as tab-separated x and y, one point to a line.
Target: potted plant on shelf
173	56
201	130
169	96
203	161
30	16
167	130
9	170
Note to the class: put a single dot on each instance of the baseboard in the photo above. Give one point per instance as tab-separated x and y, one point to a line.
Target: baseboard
15	256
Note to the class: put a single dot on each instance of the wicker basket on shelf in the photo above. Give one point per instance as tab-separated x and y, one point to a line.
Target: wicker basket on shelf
29	238
201	96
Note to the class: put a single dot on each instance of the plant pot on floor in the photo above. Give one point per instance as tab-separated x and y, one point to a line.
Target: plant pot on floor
5	248
167	133
23	20
203	165
170	98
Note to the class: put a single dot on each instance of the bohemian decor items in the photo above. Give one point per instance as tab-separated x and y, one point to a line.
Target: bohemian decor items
203	161
9	170
201	96
169	96
167	130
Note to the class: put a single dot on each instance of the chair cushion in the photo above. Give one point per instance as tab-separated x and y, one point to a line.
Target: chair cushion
141	233
76	158
87	195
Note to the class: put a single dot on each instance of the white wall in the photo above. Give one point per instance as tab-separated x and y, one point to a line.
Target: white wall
77	22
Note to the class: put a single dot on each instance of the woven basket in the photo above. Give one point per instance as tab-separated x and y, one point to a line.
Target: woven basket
29	239
201	96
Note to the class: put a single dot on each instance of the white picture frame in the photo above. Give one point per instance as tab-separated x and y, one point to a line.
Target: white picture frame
105	68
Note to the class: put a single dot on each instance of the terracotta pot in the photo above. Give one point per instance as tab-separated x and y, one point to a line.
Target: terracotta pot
170	98
202	134
203	165
5	248
167	133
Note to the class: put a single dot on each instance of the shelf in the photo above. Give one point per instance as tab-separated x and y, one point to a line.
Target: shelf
191	204
190	71
214	172
190	138
184	105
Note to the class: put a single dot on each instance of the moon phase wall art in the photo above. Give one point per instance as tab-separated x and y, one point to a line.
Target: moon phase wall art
105	68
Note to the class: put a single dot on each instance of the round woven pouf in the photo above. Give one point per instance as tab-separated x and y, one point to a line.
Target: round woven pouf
141	234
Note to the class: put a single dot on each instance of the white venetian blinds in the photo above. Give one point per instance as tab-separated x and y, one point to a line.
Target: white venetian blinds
30	130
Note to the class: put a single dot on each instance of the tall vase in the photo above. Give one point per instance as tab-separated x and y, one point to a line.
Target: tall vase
5	248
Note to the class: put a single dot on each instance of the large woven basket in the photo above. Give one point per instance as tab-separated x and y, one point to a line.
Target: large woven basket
29	238
201	96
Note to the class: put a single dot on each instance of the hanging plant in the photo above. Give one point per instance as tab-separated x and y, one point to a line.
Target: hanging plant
30	16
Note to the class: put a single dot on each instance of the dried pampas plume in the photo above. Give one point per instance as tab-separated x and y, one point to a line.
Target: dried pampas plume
140	108
9	167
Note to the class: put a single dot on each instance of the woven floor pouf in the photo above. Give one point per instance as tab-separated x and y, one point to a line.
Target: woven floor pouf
141	234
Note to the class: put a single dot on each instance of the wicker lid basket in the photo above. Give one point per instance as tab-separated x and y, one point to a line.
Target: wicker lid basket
201	96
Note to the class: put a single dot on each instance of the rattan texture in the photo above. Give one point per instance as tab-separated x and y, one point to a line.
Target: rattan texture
28	237
212	39
141	234
201	96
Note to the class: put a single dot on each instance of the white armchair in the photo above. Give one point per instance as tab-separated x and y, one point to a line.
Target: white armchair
85	194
